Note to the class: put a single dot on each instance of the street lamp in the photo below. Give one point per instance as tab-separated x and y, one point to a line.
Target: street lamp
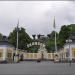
70	53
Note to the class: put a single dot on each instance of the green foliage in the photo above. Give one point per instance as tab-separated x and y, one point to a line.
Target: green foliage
52	35
50	43
72	28
33	48
64	34
23	38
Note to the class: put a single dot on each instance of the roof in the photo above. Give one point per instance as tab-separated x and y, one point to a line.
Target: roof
4	41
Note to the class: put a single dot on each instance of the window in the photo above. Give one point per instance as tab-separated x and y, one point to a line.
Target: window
35	55
27	55
74	53
1	54
31	55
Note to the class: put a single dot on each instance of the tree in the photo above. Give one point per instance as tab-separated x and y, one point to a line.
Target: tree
48	35
53	34
72	28
33	49
23	38
50	43
64	34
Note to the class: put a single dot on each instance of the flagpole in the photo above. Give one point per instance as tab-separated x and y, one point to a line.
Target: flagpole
17	35
17	38
55	36
56	54
55	42
16	58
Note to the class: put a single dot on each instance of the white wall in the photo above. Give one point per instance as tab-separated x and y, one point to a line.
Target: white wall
4	51
72	45
4	47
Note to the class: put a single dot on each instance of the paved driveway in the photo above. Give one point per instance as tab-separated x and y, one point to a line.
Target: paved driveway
34	68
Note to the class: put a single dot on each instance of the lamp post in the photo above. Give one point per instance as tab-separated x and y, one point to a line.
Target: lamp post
70	52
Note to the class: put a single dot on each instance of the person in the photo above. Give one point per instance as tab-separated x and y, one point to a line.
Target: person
21	57
13	56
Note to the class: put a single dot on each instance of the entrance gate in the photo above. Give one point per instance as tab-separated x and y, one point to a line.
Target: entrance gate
42	52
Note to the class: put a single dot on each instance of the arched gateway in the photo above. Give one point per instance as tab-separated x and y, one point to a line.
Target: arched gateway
42	52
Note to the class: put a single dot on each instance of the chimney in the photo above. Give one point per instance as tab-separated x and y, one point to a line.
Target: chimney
4	38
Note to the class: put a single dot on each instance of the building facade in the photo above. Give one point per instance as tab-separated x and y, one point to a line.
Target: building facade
6	51
68	50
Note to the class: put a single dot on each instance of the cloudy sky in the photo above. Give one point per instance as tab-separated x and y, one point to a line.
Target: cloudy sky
35	16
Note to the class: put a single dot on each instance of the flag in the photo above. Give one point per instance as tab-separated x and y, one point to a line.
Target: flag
54	23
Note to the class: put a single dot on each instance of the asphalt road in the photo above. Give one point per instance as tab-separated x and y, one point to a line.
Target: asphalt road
34	68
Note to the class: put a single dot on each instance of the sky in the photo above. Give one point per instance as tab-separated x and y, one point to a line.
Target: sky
35	16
